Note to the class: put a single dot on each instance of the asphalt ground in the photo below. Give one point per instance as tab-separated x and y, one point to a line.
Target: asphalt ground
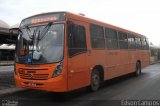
6	77
115	92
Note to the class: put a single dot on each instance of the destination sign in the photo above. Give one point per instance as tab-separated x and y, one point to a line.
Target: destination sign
41	18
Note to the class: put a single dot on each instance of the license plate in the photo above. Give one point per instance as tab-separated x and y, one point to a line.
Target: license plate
32	84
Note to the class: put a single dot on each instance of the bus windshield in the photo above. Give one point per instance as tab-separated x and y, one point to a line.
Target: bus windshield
40	45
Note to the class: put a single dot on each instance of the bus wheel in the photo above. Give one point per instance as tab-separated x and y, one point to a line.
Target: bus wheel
138	69
95	80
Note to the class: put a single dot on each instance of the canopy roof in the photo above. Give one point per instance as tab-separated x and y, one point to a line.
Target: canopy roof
4	24
14	26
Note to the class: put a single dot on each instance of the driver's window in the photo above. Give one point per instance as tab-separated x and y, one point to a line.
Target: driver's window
76	39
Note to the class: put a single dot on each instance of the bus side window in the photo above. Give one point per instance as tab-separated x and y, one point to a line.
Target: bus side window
111	39
144	43
123	40
131	42
138	43
76	39
97	36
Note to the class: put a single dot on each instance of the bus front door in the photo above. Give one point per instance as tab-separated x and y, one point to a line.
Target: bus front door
78	75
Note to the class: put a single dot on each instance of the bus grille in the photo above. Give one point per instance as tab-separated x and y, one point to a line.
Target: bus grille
33	76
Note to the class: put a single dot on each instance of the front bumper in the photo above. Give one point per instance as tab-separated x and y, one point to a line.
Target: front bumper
57	84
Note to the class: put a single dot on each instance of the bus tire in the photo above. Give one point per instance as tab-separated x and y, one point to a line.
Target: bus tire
95	80
138	69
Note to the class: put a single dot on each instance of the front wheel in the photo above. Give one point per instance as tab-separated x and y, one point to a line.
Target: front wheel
95	80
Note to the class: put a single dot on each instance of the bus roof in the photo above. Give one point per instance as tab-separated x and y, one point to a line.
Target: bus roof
92	21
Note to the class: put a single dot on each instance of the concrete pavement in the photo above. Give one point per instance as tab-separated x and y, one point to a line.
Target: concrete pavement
7	83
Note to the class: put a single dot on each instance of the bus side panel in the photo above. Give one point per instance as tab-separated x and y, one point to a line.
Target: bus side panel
123	62
145	58
132	55
97	58
120	62
112	63
78	71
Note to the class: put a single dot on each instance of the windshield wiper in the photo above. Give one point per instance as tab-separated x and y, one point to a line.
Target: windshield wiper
29	32
44	31
32	36
37	36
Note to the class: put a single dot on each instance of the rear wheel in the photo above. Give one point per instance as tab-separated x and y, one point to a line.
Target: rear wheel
95	80
138	69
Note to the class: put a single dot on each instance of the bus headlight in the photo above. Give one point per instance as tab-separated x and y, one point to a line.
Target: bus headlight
58	70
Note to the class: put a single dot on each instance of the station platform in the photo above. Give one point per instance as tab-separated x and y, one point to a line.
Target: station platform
6	63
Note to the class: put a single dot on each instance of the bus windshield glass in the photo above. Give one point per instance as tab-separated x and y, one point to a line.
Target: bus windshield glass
40	44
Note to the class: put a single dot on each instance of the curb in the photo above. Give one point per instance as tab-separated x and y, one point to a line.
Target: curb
11	91
6	64
154	62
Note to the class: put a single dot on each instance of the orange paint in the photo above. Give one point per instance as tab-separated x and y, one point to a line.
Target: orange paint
22	51
76	70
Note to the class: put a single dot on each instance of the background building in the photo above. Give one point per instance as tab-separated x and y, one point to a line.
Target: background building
7	41
155	53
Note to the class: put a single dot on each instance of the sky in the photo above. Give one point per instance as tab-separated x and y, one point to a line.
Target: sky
141	16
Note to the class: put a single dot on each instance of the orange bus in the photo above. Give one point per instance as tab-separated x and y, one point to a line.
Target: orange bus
62	51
